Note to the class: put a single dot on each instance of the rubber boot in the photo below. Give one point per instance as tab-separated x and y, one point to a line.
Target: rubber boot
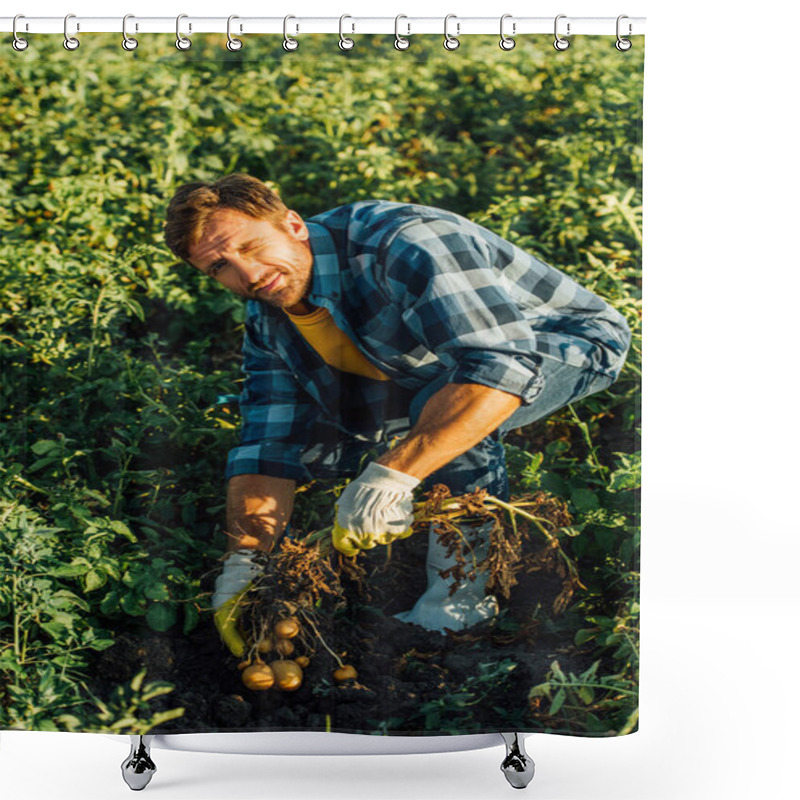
437	609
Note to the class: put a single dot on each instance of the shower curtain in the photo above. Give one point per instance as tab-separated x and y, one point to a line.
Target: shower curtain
470	234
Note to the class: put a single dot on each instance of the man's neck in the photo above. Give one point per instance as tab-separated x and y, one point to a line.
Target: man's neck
301	308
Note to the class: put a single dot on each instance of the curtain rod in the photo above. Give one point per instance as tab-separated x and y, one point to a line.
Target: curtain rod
407	25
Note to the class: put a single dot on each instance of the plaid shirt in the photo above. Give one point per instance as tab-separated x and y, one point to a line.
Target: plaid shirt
421	292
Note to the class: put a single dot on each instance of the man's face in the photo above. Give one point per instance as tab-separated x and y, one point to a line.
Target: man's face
255	258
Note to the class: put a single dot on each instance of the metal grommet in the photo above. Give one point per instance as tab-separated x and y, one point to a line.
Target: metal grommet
400	42
560	44
70	42
182	43
451	42
289	44
18	43
623	45
345	42
233	44
128	42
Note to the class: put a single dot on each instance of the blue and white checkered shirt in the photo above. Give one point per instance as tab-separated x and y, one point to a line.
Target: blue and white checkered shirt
421	292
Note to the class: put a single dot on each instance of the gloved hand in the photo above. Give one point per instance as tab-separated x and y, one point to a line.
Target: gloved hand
238	574
376	508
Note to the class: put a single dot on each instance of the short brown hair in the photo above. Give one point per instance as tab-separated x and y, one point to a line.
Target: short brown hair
194	203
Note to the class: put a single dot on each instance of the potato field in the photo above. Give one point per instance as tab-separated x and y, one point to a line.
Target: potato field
120	368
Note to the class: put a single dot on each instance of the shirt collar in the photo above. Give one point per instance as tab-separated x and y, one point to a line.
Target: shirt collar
325	275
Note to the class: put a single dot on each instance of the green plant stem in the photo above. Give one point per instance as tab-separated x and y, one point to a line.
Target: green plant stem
587	437
95	322
632	644
524	514
578	684
16	617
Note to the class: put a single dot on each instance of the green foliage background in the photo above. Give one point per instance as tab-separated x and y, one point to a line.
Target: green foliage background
112	356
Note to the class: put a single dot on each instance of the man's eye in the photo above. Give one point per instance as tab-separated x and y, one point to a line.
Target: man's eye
215	269
252	247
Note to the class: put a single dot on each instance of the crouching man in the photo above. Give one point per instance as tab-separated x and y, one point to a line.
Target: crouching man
379	322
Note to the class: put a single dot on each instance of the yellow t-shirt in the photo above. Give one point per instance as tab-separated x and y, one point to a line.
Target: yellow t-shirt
333	344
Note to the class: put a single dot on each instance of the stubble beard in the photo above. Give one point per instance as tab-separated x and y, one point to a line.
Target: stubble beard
291	294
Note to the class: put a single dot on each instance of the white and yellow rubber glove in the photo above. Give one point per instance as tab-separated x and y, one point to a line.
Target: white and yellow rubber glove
236	579
376	508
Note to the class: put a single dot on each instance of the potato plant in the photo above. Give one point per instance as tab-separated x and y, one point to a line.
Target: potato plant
120	367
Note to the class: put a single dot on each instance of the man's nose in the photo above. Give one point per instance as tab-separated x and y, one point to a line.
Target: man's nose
248	272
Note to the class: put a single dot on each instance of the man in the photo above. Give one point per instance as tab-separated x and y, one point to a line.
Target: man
370	322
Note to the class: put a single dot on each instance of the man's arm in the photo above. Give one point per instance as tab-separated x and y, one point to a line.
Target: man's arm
453	420
258	508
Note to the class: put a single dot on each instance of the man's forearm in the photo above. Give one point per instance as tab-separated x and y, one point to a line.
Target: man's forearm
453	420
259	506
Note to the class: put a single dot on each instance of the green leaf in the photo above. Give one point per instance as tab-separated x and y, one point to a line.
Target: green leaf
109	567
101	644
628	476
191	618
44	446
63	618
153	690
136	683
584	499
157	591
133	605
135	308
558	701
69	570
63	598
586	694
557	672
161	617
534	462
95	580
110	603
70	722
166	716
122	529
56	630
585	635
554	484
41	463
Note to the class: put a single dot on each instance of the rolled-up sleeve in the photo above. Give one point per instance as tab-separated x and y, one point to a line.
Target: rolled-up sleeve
276	417
457	308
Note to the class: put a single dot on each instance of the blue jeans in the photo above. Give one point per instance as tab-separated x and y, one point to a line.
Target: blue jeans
333	454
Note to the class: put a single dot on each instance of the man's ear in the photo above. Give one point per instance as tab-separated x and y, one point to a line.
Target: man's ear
296	226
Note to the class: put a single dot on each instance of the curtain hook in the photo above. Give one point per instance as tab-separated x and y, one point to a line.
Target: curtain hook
506	42
182	43
560	43
70	42
400	42
451	42
289	44
18	44
345	42
623	44
233	44
128	42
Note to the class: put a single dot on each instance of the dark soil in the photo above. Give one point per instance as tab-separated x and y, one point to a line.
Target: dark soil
410	680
